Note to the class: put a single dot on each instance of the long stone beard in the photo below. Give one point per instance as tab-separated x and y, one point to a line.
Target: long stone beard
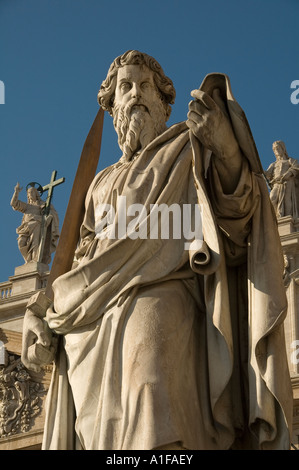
137	124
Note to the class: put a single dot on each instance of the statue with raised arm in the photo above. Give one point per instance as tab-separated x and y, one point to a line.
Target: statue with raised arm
38	233
283	177
169	342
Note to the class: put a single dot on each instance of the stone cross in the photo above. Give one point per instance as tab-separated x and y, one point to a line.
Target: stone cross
50	188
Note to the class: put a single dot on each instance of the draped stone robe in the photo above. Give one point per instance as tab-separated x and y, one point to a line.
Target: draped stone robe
30	230
159	343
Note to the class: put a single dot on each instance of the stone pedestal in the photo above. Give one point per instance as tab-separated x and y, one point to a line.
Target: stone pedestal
15	293
29	278
287	225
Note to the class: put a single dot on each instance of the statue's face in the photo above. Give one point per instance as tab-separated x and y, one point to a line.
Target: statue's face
32	194
139	114
278	151
135	82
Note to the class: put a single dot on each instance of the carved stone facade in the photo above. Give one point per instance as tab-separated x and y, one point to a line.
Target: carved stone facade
22	392
288	228
20	397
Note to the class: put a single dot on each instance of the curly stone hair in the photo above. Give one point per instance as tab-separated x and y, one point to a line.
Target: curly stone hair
164	84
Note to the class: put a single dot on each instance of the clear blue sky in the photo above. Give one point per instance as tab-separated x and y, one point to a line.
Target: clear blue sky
54	55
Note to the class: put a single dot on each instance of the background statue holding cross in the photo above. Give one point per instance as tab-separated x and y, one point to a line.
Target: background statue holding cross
39	231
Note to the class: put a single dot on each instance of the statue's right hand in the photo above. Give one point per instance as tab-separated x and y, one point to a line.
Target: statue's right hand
18	187
38	344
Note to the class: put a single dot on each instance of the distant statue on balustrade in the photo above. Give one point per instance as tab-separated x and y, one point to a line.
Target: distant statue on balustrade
283	178
39	231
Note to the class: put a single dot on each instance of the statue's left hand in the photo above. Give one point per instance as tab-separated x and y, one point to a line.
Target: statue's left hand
49	219
38	343
209	122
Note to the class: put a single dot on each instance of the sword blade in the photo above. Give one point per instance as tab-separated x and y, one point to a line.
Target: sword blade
74	215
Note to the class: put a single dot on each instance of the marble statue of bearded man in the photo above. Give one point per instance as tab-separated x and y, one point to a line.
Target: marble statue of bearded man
169	342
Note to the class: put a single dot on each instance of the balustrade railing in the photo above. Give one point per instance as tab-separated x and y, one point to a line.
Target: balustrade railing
5	290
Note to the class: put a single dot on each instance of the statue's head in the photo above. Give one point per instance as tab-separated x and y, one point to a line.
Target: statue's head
164	84
280	150
138	95
33	195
